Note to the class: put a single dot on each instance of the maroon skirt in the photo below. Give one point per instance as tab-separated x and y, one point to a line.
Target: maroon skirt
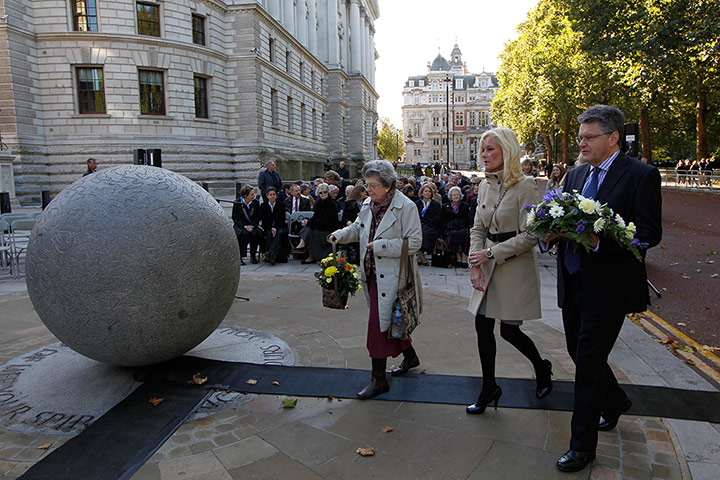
378	343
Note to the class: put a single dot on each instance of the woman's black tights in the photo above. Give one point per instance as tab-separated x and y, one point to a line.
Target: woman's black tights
484	327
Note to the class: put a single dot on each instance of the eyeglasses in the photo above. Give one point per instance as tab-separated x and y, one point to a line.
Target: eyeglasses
587	138
372	186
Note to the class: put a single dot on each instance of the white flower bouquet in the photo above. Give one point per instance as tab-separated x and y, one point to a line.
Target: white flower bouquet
578	217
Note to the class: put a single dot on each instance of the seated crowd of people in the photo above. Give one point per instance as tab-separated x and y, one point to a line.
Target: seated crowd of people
276	223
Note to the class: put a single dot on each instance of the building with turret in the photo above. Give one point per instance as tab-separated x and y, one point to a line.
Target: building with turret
447	91
216	87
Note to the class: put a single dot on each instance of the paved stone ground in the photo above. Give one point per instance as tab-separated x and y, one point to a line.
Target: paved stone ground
319	438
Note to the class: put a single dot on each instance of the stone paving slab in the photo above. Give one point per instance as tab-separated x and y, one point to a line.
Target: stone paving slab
318	438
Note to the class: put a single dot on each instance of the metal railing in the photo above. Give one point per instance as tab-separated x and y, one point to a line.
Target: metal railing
690	180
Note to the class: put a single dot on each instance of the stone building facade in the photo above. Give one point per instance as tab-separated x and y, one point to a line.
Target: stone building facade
426	104
218	86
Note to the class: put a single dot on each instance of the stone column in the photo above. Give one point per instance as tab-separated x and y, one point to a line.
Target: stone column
289	16
372	55
312	32
363	42
274	9
302	22
355	36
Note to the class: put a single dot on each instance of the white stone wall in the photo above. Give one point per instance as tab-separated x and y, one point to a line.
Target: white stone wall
51	140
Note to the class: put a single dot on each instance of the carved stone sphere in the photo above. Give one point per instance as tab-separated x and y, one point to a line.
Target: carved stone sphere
133	265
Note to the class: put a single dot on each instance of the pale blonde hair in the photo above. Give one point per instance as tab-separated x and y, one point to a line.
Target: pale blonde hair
508	142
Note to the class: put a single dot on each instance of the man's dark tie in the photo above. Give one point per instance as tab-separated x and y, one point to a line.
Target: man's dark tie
572	257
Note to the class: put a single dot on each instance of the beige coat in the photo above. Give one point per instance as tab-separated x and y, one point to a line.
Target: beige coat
400	221
512	279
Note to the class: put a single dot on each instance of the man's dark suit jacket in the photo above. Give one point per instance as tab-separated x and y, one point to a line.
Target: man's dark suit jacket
267	179
304	204
612	279
274	218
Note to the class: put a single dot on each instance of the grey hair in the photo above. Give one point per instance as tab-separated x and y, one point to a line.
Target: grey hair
333	188
381	169
455	189
323	187
268	163
610	118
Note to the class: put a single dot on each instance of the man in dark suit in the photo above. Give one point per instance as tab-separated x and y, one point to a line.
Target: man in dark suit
272	221
343	171
269	178
596	290
91	167
295	202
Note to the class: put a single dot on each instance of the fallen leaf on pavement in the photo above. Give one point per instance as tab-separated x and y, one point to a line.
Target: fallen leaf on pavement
709	348
688	361
366	452
276	383
674	264
197	379
714	275
388	429
251	381
156	400
710	261
663	245
44	446
289	403
682	324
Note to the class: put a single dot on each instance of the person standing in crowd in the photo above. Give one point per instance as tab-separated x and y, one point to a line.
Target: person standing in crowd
318	227
554	183
353	204
504	275
343	171
246	221
272	222
296	202
473	201
380	229
527	168
429	211
597	289
455	219
332	178
91	167
269	178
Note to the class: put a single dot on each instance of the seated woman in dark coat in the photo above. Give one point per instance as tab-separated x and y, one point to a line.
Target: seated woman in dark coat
429	211
272	216
323	222
456	223
246	221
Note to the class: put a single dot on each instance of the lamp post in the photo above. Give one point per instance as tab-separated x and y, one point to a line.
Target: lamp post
447	81
397	147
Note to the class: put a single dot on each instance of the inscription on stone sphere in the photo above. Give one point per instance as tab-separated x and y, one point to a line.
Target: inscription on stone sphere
133	265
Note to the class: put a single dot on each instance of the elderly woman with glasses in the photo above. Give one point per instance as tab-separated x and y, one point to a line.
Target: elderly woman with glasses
386	219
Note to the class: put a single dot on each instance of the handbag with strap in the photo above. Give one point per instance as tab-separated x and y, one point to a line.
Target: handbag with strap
406	297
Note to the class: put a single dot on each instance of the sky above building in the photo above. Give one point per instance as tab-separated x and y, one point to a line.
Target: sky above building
410	33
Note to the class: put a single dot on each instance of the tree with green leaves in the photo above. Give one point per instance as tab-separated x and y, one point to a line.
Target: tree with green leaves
546	79
390	141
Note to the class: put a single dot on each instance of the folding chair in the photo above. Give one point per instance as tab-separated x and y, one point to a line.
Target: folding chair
19	238
5	248
9	217
294	226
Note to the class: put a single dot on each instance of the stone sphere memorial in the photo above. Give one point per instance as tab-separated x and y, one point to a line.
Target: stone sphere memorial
133	265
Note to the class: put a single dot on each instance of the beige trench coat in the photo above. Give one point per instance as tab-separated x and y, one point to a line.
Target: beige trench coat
400	221
512	278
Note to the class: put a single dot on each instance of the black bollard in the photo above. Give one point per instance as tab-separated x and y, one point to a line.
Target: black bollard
45	198
238	187
5	202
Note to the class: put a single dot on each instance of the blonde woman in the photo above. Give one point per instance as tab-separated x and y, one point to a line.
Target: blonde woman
504	275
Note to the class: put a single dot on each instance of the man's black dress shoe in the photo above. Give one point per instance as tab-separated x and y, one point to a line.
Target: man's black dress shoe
574	461
608	421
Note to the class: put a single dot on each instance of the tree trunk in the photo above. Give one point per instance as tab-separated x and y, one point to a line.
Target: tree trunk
548	150
565	148
702	110
645	132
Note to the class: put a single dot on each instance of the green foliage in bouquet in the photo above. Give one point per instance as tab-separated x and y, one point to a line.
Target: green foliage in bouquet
578	217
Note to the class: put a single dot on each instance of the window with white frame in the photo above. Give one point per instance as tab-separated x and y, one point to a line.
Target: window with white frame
411	83
472	119
435	121
458	83
421	83
416	129
459	141
459	119
435	85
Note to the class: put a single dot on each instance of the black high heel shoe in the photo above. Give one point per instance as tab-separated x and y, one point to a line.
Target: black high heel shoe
544	382
479	407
